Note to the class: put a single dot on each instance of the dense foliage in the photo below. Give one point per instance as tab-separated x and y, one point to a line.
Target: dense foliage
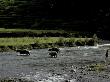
57	14
9	44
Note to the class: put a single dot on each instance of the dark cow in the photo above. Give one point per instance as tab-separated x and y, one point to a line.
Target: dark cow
106	54
23	52
54	49
53	52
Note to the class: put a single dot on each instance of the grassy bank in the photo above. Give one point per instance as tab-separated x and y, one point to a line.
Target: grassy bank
11	39
7	44
3	30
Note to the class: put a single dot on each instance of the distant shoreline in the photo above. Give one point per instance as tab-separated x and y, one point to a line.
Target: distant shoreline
11	39
10	44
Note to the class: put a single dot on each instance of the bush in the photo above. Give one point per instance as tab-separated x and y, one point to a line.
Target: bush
61	41
90	42
4	48
80	42
95	38
70	42
96	67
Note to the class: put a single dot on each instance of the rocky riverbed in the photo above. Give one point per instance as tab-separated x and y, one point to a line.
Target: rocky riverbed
73	64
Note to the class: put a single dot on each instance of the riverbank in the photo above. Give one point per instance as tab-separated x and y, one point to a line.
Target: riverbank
10	44
12	39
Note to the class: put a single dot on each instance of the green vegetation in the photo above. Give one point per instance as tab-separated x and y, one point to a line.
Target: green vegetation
30	40
3	30
11	39
95	38
39	42
96	67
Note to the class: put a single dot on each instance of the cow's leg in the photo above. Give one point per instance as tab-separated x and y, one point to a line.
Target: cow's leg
56	54
28	53
52	56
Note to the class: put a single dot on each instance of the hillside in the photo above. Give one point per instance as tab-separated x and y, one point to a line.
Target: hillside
91	16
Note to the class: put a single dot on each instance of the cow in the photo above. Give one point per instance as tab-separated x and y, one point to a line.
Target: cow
53	52
106	55
54	49
23	52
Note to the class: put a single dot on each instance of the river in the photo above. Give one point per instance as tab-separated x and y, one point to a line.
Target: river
39	67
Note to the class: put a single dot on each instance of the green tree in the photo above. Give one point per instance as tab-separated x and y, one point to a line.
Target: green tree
5	3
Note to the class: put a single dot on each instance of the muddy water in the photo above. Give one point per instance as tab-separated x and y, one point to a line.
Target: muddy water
70	65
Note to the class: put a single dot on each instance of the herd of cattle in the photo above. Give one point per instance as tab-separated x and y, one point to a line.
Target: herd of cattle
53	52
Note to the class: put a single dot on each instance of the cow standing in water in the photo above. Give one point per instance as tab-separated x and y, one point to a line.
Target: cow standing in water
53	52
23	52
106	55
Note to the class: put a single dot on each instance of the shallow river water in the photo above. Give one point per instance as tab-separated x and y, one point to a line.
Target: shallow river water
71	65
